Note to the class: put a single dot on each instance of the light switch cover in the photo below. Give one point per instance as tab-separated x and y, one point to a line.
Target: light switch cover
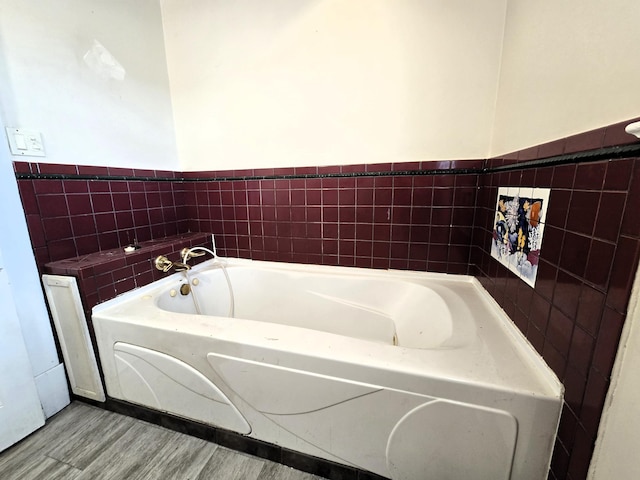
25	143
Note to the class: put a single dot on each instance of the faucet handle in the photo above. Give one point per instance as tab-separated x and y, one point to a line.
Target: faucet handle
163	264
189	254
181	267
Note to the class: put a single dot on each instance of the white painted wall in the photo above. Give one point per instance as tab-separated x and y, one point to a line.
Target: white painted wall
616	452
258	83
20	266
567	67
87	118
314	82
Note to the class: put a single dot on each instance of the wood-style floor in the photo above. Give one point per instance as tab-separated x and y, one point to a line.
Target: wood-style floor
87	443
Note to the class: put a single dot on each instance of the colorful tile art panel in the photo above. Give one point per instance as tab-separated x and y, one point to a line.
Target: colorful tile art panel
518	228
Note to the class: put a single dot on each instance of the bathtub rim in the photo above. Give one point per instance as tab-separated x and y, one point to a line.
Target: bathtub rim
552	388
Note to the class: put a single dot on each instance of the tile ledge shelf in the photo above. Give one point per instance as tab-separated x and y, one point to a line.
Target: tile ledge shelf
117	256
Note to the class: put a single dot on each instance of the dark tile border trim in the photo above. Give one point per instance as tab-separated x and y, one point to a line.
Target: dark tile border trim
235	441
292	176
607	153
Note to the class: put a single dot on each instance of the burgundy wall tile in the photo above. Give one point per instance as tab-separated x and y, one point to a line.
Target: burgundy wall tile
43	187
593	402
582	208
575	251
622	273
559	201
92	170
580	455
559	462
49	168
616	135
608	340
83	225
426	181
105	222
444	180
618	174
400	182
121	201
57	228
581	351
563	176
98	186
551	149
590	176
564	444
630	223
527	177
575	384
75	186
552	243
554	359
535	336
464	196
530	153
53	206
599	263
87	244
124	219
590	309
610	211
79	204
494	162
28	197
61	249
22	167
153	200
118	186
402	196
123	171
584	141
404	166
36	231
443	197
102	203
559	331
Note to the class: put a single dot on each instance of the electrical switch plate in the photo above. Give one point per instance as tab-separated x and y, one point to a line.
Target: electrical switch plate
27	143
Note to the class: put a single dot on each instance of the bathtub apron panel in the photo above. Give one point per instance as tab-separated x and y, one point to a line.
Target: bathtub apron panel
163	382
431	439
330	413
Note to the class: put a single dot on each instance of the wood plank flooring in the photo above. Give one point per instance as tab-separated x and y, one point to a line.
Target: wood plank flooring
87	443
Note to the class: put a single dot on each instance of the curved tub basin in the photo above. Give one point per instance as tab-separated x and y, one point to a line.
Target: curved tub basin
408	375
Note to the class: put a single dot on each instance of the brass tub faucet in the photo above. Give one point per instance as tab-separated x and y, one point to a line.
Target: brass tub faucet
163	264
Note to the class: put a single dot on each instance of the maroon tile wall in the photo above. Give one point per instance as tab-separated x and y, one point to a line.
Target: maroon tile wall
415	221
589	257
68	218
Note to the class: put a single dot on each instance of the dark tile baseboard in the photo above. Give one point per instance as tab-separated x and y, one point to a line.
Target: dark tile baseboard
234	441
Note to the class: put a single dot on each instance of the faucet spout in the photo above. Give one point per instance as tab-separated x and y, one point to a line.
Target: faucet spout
163	264
187	253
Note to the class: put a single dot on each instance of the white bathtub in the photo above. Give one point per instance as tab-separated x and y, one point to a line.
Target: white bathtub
408	375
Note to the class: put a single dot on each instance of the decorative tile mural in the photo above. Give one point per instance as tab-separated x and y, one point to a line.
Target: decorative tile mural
518	228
